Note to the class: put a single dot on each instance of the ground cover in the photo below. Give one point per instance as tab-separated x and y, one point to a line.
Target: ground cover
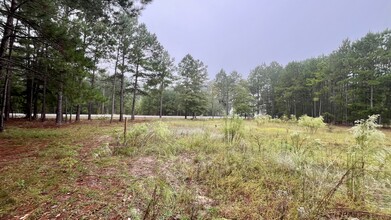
189	169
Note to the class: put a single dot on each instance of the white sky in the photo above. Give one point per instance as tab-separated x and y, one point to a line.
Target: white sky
239	35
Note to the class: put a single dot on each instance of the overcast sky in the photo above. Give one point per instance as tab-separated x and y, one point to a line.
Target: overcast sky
241	34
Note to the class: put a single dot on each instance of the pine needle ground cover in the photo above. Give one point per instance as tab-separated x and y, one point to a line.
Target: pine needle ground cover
191	169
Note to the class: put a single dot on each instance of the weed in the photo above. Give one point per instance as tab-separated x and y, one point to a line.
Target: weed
21	184
311	124
67	163
367	138
233	129
262	119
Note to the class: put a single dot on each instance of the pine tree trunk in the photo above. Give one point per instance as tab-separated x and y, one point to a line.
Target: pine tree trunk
92	86
29	107
114	81
7	93
35	103
59	105
77	119
8	29
2	105
320	107
371	99
122	88
66	110
7	107
161	100
70	114
134	92
43	110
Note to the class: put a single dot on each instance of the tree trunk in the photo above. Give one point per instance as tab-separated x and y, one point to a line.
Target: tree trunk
371	99
103	104
70	114
227	102
8	29
114	81
43	110
2	105
59	105
134	93
7	107
346	104
77	113
66	110
29	107
92	86
35	103
7	93
161	100
320	107
122	88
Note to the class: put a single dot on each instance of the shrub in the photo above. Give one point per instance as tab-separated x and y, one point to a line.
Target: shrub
293	118
367	138
233	128
311	124
262	119
142	135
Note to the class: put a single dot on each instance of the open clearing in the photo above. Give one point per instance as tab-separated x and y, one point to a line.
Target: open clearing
179	169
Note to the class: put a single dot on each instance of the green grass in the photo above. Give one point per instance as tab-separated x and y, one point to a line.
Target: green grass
187	169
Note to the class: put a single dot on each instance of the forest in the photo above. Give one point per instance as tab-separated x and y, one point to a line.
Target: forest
72	58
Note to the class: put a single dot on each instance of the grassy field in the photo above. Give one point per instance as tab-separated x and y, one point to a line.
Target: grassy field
193	169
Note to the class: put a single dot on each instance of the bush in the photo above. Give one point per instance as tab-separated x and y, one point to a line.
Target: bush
367	141
141	135
262	119
311	124
233	128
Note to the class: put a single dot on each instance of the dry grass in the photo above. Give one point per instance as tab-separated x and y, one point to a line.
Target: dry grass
184	170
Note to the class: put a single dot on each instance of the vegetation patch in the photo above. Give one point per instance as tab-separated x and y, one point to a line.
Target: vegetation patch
155	170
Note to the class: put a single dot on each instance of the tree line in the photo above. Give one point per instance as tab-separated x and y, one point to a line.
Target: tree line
72	57
349	84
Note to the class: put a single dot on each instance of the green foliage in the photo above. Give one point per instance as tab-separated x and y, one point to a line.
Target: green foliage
311	124
59	151
140	136
23	133
297	140
365	132
368	139
192	77
188	169
262	119
233	129
242	99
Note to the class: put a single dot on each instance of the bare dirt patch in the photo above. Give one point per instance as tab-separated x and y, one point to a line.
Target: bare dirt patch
143	167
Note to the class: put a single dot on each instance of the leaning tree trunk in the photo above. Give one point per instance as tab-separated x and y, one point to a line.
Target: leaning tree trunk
8	29
7	93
